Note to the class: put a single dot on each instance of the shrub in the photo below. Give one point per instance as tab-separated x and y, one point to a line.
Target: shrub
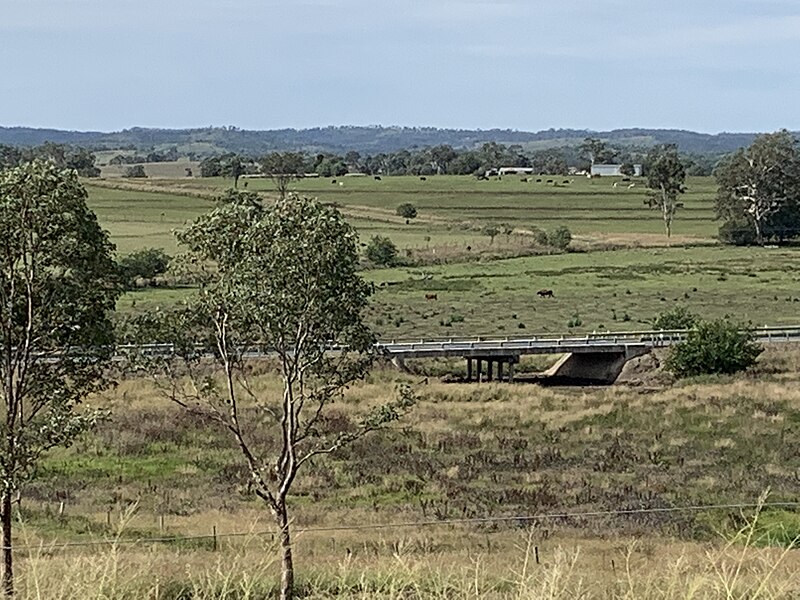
145	264
135	171
675	318
738	232
407	210
559	238
714	347
382	251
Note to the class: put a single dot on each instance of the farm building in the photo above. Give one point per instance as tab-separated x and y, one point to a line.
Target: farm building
515	170
613	170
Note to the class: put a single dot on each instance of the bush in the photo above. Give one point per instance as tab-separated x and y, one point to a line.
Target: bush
714	347
738	232
675	318
559	238
407	210
382	251
145	264
135	171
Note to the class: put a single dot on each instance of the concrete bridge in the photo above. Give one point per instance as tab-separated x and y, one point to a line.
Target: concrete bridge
594	357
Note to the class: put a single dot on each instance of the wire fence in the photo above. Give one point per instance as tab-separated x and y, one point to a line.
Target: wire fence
520	519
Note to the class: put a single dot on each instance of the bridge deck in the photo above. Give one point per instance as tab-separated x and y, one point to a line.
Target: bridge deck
548	344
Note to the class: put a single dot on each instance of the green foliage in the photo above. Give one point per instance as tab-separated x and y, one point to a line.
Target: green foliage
713	347
58	284
146	263
665	178
759	185
407	210
675	318
627	169
283	168
211	167
738	232
136	171
381	251
492	231
559	238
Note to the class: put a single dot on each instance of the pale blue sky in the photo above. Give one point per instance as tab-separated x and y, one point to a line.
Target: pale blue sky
705	65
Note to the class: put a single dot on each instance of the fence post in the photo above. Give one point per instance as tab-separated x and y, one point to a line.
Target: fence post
214	533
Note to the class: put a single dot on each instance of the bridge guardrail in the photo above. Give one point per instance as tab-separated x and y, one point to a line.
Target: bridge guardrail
652	338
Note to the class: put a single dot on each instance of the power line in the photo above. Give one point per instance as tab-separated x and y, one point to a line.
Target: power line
417	524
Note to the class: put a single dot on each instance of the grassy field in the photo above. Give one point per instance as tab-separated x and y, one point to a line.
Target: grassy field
467	452
453	209
482	293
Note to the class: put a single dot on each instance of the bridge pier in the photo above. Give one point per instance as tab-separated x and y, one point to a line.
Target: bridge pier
492	373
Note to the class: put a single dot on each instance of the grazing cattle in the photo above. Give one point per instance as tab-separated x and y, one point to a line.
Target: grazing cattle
615	184
633	185
423	178
483	178
565	181
341	183
538	181
524	180
377	177
546	294
333	181
431	297
549	181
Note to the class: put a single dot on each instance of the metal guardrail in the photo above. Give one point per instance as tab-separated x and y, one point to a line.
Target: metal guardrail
607	341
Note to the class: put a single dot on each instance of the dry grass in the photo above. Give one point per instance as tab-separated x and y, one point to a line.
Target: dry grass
418	567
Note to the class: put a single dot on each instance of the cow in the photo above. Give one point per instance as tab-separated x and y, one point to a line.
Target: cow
377	177
333	181
423	178
549	181
431	297
524	180
546	294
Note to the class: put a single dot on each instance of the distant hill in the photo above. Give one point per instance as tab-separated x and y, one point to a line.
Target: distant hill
366	140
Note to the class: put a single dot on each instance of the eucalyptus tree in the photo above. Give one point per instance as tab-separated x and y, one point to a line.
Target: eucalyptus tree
760	185
281	280
666	176
58	288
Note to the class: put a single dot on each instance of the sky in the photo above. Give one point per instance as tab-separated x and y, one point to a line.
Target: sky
702	65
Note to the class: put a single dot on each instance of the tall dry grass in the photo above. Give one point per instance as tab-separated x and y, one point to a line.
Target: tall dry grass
736	568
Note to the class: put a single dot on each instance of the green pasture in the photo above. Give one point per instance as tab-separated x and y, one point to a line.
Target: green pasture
585	205
452	209
137	219
614	290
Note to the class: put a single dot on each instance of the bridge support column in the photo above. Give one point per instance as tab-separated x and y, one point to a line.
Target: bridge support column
498	368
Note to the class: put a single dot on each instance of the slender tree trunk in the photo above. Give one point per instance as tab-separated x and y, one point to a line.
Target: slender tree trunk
759	234
8	557
287	562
